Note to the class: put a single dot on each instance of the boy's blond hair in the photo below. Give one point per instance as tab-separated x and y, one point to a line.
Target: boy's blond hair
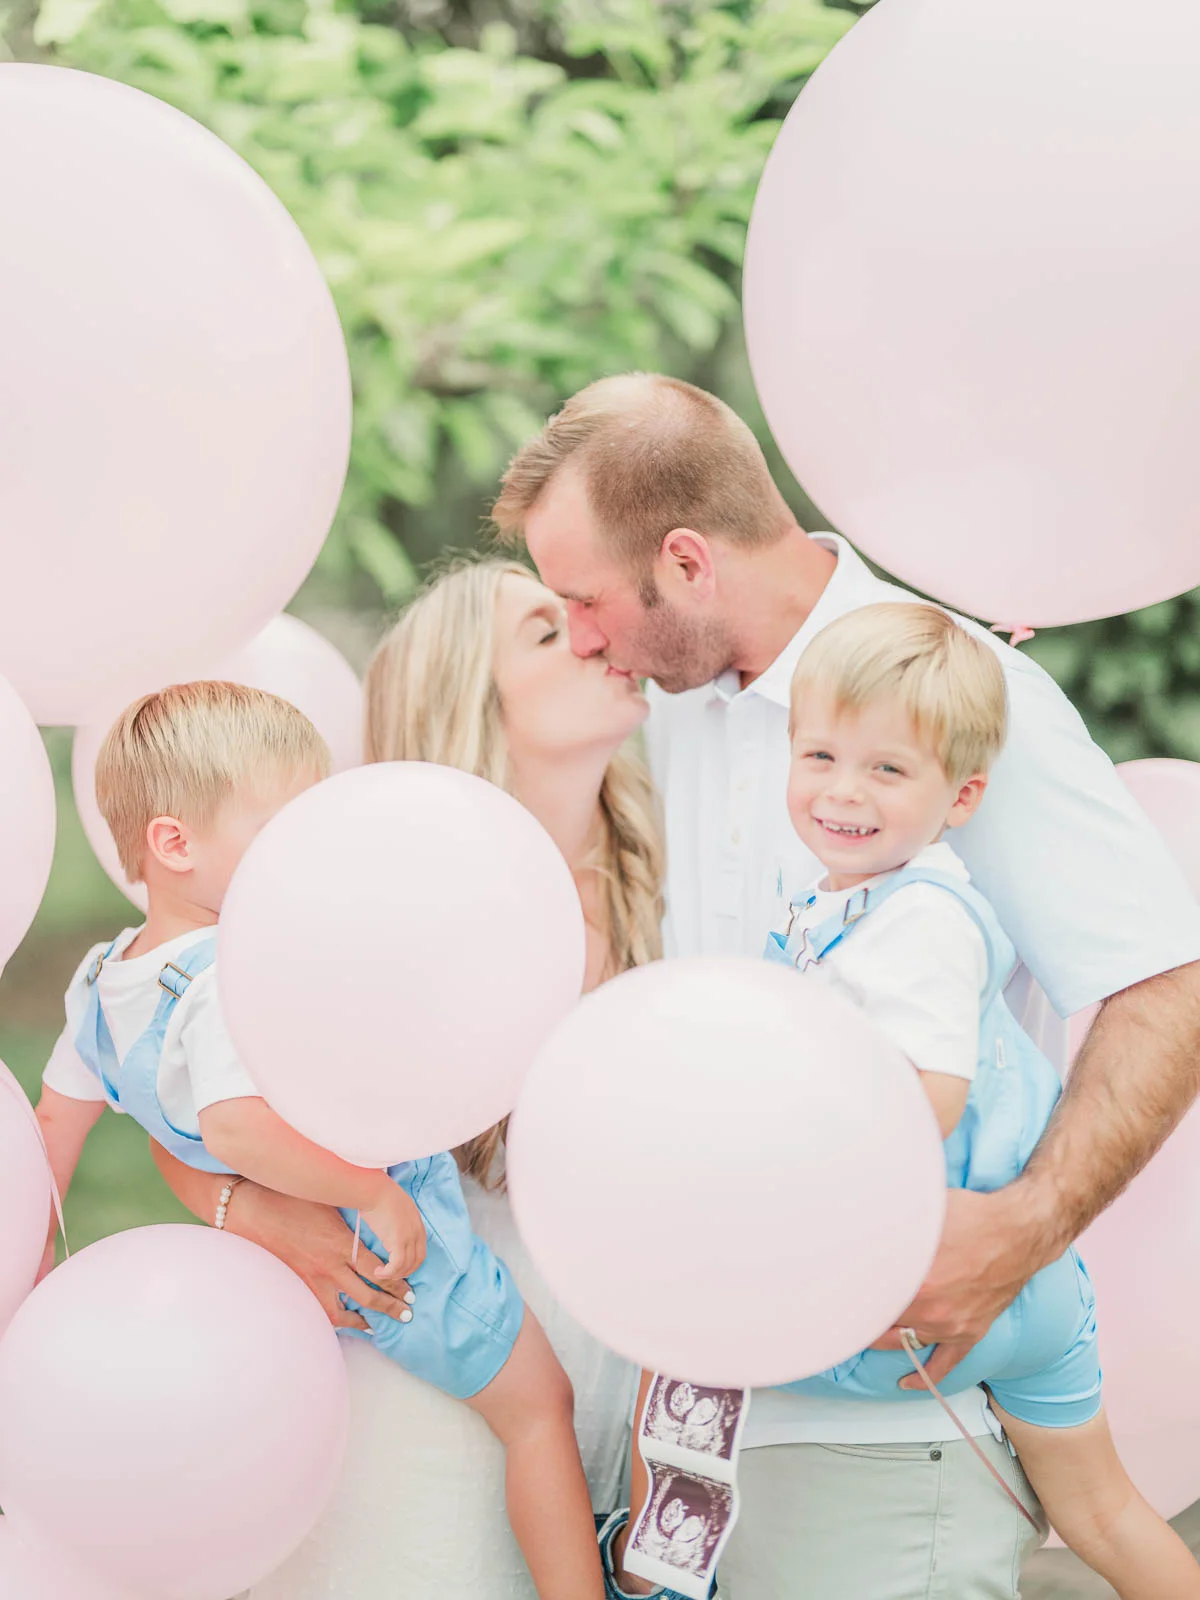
183	751
950	684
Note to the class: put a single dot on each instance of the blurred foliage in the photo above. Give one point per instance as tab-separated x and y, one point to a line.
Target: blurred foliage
498	227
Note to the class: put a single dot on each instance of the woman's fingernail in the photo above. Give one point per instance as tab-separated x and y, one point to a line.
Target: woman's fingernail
410	1298
406	1316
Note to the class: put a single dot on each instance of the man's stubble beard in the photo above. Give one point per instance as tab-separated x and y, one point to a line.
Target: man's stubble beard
680	654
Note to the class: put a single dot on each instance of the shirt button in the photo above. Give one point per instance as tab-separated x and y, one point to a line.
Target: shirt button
736	836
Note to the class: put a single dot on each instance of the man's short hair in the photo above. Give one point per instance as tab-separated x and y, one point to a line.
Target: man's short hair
950	683
183	751
655	454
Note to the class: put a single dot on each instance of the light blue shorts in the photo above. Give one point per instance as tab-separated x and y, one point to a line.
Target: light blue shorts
467	1312
1039	1358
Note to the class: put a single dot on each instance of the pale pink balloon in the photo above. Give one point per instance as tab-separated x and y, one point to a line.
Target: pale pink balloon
28	816
32	1569
394	947
970	300
25	1201
174	395
1141	1253
173	1411
726	1173
287	658
1169	793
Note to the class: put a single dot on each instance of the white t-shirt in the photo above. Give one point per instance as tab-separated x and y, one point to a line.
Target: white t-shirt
1079	878
916	967
198	1065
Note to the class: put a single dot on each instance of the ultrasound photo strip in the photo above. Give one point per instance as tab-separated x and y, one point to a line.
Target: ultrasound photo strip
689	1437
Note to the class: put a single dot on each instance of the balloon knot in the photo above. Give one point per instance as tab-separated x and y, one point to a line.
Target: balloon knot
1017	631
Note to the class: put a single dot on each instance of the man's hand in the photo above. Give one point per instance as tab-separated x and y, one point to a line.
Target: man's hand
992	1244
313	1240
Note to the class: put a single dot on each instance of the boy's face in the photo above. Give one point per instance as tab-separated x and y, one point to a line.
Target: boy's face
207	856
865	792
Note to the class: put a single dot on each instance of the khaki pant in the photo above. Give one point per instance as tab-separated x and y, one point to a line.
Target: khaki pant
877	1522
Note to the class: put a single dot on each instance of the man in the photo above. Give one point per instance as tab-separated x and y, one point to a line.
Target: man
648	506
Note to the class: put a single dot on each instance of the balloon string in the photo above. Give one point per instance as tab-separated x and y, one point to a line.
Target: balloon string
1017	631
912	1350
357	1238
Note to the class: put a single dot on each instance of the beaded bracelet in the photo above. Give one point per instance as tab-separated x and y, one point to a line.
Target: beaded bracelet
223	1202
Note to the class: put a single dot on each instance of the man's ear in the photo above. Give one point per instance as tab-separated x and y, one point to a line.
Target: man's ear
685	570
967	802
169	843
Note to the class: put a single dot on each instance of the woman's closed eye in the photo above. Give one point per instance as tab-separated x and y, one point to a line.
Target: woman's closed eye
550	636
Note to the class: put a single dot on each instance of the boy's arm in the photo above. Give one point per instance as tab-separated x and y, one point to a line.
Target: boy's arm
947	1096
251	1139
65	1125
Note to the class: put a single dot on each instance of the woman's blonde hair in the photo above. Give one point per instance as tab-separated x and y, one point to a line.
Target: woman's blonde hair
431	696
181	752
950	684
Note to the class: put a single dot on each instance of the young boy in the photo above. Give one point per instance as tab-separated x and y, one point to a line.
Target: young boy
185	779
897	716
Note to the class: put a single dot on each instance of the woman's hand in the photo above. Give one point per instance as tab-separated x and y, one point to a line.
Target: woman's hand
313	1240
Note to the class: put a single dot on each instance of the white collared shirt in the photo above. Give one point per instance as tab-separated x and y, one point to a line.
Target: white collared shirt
1080	880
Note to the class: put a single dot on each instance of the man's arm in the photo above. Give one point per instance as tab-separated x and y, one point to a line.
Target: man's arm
309	1238
1136	1076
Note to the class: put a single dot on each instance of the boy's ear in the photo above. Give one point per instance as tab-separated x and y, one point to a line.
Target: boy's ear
168	843
967	802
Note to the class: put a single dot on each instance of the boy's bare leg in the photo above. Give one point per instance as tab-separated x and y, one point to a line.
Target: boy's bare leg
530	1408
1096	1510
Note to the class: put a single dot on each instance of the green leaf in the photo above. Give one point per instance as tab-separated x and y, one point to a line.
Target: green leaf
384	558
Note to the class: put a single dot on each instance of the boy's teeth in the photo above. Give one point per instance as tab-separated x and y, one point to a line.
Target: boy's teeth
841	827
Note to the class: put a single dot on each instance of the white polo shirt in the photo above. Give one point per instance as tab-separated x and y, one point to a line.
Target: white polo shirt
1081	881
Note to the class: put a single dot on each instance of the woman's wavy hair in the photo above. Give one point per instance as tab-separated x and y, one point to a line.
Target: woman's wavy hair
431	696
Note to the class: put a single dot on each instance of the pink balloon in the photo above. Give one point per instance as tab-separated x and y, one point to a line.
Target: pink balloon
39	1570
394	947
28	817
1141	1252
173	1409
1169	793
287	658
174	396
24	1196
957	205
725	1173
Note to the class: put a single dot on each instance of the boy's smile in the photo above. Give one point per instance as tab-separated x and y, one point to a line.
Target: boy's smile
866	791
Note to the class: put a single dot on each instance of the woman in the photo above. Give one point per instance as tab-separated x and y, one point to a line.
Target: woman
477	674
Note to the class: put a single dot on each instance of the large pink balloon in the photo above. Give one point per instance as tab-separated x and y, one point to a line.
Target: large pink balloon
27	815
1141	1252
725	1173
970	300
174	395
287	658
173	1409
24	1196
32	1569
394	947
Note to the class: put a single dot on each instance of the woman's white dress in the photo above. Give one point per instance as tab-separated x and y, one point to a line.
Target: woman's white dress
420	1511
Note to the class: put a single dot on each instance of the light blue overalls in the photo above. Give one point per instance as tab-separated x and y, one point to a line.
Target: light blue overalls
1039	1358
467	1311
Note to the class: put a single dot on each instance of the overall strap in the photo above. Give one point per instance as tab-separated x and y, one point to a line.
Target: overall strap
176	976
1000	955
